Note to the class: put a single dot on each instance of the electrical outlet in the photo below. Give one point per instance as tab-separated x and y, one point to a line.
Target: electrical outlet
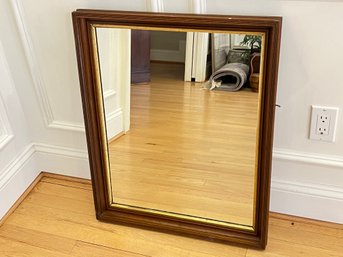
323	123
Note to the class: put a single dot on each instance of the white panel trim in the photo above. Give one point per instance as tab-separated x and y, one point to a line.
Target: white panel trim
6	134
311	158
309	189
155	5
114	114
39	84
197	6
5	139
61	151
32	61
109	93
64	125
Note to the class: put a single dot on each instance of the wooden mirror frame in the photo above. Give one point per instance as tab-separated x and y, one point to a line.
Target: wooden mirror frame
84	22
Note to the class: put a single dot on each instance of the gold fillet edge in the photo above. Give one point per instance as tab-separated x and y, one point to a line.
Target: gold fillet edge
224	224
100	101
104	138
260	93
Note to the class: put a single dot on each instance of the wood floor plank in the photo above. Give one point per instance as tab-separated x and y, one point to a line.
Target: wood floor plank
66	221
11	248
83	249
280	248
295	235
303	224
85	184
64	191
35	238
60	202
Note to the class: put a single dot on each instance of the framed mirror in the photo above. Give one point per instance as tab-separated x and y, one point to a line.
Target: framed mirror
179	113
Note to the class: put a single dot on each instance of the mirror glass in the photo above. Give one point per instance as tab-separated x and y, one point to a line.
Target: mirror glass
181	110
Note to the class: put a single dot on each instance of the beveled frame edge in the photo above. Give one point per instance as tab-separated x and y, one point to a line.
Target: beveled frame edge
271	26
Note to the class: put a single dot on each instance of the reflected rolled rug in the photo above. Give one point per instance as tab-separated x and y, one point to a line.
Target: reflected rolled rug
230	77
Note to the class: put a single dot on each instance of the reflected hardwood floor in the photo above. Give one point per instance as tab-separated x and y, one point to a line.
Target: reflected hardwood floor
57	219
189	150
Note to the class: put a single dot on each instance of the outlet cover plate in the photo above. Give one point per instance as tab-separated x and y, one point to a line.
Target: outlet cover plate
323	123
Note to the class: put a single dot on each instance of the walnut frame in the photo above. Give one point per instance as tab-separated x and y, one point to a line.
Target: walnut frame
83	21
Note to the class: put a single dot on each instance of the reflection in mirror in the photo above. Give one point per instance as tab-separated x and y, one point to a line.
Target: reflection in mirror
182	117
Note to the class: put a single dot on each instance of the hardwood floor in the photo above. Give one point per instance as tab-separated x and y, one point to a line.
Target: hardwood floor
189	150
57	219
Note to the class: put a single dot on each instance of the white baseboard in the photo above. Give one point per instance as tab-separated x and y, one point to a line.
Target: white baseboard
307	200
62	160
307	185
16	177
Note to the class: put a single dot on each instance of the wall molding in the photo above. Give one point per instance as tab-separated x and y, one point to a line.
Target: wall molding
308	189
61	151
6	133
154	5
117	112
64	125
310	158
109	93
197	6
32	61
5	139
39	84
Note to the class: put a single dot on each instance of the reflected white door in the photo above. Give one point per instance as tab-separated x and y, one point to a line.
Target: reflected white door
196	56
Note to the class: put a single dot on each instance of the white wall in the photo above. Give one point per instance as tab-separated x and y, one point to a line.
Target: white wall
307	175
167	46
